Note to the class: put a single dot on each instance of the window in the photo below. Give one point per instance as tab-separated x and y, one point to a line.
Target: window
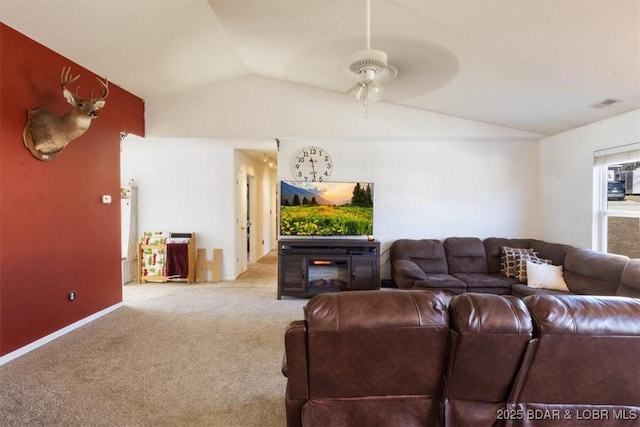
617	173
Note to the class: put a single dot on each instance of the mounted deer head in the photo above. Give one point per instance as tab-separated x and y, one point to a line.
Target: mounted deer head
46	134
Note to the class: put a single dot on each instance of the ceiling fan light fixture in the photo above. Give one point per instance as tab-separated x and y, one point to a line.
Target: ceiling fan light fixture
366	90
369	67
367	74
357	91
374	92
369	58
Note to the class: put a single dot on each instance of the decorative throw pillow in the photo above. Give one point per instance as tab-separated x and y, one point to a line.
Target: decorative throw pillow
154	237
545	276
509	258
521	265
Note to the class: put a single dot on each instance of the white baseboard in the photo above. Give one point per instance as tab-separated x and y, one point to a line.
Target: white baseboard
57	334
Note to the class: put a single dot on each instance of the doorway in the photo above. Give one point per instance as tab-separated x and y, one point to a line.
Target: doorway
242	197
249	217
254	216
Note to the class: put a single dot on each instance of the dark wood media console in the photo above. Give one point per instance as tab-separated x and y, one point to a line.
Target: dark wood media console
307	267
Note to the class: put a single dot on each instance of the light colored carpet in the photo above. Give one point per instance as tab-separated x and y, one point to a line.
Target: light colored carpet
175	355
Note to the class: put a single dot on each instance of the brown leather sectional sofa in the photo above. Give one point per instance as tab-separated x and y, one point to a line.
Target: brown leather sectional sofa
424	358
468	264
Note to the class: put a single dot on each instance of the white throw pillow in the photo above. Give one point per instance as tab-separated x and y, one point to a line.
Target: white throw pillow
545	276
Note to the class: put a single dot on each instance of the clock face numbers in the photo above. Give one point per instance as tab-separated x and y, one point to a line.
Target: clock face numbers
312	164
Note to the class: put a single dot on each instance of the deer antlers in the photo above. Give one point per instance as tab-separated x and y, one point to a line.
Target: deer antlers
66	78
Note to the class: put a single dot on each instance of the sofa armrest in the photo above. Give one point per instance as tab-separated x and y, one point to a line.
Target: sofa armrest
408	269
295	368
630	280
294	364
590	272
284	369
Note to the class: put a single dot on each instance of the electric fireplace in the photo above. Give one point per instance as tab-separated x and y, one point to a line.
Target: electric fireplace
307	267
327	274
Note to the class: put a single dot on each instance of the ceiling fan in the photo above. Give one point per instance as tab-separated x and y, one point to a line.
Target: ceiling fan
370	67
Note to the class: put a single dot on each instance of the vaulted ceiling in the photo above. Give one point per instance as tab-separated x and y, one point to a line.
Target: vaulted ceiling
533	65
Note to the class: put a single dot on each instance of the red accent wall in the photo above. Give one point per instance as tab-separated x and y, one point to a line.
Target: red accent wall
55	234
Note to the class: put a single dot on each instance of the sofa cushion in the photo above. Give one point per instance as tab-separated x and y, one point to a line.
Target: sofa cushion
584	360
630	281
366	310
465	255
590	272
407	275
476	314
408	269
383	346
584	315
405	272
555	252
493	250
441	282
489	335
521	290
486	283
427	254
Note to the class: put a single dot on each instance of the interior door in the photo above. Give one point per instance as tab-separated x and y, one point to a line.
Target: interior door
249	221
241	223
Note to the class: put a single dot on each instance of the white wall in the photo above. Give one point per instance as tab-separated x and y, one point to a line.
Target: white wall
566	177
188	185
439	188
435	175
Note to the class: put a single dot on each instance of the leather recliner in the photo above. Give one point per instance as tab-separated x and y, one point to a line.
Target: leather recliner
489	337
410	357
582	365
367	358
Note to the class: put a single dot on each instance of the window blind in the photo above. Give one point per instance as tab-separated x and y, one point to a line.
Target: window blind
620	154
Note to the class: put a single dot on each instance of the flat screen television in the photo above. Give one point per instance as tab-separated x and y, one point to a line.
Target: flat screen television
326	208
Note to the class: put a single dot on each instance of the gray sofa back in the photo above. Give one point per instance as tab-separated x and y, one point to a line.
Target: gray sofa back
556	252
428	254
465	255
590	272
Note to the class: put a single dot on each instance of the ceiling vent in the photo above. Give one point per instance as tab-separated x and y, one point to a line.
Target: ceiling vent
605	103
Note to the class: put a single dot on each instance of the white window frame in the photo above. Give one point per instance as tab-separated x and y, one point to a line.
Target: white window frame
602	160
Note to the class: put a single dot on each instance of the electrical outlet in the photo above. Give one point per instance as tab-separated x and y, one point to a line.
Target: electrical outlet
72	296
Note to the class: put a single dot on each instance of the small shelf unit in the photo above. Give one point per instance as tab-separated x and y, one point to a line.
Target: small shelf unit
161	249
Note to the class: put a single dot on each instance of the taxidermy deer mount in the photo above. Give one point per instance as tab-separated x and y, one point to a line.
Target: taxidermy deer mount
46	134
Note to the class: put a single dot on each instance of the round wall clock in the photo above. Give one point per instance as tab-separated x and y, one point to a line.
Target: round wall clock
312	164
